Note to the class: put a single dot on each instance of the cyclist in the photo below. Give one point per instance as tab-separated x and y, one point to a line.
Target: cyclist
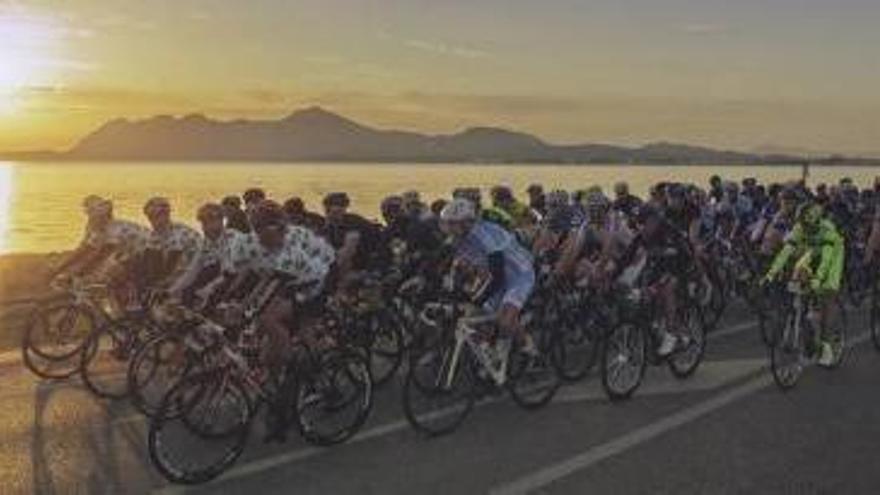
205	273
297	214
500	260
303	257
624	202
819	250
598	243
235	217
520	214
356	239
109	248
668	262
171	246
781	224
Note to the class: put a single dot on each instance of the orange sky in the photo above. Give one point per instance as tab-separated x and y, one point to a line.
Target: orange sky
797	74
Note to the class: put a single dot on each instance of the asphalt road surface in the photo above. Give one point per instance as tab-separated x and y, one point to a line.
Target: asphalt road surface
726	430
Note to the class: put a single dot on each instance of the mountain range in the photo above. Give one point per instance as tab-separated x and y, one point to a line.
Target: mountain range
315	134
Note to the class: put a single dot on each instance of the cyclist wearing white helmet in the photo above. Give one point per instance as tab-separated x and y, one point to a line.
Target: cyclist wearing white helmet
495	255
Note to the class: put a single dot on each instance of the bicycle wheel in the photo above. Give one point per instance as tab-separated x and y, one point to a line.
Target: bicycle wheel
208	432
624	360
105	361
684	362
55	335
156	368
439	393
533	380
387	347
579	347
333	402
788	353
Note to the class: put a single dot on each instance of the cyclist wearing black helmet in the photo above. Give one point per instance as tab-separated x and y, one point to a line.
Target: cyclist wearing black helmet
358	241
234	216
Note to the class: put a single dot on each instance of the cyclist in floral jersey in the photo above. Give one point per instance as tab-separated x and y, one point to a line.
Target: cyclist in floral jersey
171	246
303	259
109	246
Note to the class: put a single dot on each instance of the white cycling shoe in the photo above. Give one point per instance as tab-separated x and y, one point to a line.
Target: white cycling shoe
826	355
667	344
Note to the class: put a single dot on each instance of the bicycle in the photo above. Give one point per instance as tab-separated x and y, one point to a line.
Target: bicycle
795	344
327	392
468	358
630	346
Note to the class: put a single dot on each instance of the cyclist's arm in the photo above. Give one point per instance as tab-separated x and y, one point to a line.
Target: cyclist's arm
570	249
832	254
782	258
188	274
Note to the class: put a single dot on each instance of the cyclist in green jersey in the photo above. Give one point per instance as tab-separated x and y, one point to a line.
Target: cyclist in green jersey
818	247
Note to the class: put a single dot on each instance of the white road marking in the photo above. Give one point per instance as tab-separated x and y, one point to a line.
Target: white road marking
553	473
710	375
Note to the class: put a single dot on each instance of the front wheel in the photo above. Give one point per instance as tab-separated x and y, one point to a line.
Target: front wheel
787	354
334	401
207	432
438	392
624	360
684	362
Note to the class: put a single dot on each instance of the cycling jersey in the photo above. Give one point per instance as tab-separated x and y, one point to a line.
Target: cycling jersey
127	239
489	247
823	250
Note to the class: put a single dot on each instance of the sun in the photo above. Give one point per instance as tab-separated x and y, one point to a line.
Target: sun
26	46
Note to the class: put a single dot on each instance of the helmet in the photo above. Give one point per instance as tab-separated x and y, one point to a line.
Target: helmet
558	197
337	199
502	193
156	204
675	191
731	187
471	194
809	214
596	201
254	195
294	206
535	189
209	211
459	210
97	206
267	213
231	202
392	204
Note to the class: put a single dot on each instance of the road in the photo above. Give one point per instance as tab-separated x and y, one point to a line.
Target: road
726	430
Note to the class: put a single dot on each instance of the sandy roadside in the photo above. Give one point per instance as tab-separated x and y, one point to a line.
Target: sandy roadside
22	278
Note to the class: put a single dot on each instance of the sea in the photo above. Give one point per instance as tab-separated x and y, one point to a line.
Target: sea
40	203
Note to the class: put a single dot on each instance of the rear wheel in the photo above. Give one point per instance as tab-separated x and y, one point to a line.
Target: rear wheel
624	360
206	434
684	362
105	361
438	393
53	340
534	380
387	348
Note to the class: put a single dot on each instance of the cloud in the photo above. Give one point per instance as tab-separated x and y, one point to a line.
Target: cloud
703	28
445	49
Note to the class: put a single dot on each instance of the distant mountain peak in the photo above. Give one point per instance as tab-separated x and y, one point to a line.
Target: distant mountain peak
316	115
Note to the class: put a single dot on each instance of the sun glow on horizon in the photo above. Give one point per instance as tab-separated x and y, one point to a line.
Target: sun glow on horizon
28	47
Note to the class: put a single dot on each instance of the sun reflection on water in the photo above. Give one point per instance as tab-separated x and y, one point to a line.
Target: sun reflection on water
5	203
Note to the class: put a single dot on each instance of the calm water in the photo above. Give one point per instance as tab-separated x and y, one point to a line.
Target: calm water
40	204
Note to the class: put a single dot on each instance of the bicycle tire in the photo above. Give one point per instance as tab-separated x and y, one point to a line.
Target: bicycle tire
635	341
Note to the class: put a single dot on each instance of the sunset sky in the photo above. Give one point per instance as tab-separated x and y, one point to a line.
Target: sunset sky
745	74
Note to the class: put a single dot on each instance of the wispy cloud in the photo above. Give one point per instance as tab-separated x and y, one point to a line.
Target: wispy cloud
705	28
446	49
